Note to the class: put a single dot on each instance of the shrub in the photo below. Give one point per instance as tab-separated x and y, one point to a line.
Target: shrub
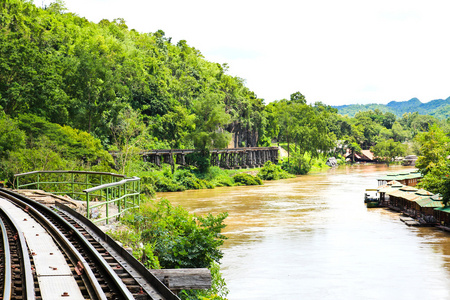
218	177
246	179
297	165
178	239
160	183
190	181
148	189
270	171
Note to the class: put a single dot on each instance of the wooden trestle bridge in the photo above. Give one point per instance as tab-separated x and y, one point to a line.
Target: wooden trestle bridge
231	158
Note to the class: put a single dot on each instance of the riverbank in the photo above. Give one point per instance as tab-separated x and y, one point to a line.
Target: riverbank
165	179
168	178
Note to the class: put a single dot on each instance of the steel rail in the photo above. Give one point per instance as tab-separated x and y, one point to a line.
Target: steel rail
129	259
27	271
90	280
99	260
7	284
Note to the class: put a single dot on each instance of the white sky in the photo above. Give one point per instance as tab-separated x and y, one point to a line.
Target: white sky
337	52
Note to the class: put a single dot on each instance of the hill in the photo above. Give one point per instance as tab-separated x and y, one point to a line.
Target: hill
438	108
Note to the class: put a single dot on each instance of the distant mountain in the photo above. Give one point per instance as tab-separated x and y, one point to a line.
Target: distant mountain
439	108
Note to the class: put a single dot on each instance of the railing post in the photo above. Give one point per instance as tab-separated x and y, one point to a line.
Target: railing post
87	205
107	206
134	193
126	197
101	191
139	193
73	184
118	202
38	181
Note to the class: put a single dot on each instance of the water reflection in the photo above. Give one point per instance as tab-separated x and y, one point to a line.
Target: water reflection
311	237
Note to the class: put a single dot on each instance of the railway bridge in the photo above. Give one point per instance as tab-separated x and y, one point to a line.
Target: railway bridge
230	158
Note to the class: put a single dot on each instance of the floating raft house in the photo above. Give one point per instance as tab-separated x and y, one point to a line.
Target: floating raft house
405	178
401	195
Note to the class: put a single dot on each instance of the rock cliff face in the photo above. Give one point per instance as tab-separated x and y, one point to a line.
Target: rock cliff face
242	137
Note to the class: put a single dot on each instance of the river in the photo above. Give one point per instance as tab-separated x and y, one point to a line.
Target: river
312	237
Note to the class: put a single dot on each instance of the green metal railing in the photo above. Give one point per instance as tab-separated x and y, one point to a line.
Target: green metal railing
124	194
105	188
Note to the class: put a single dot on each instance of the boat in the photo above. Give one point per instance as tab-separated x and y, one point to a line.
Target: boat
371	198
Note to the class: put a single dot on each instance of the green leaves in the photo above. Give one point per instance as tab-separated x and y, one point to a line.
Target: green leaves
31	143
386	151
179	239
247	179
209	133
11	137
270	171
434	149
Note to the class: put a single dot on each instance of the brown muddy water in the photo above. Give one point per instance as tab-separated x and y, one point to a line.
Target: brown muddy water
312	237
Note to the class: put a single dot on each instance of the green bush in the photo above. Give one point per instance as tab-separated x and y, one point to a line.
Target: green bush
174	238
148	189
218	177
270	171
223	180
179	239
165	184
190	181
297	165
160	183
246	179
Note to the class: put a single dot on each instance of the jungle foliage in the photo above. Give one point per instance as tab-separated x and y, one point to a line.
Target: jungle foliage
108	87
433	161
271	171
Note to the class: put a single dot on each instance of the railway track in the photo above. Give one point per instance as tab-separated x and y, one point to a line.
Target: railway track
15	263
98	267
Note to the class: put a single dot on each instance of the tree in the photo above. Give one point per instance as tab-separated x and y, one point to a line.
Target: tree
445	191
437	180
210	119
370	129
174	126
434	149
354	148
11	137
399	134
386	151
128	134
298	97
285	113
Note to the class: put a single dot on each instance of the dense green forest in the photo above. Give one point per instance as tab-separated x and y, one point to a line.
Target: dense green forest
439	108
72	90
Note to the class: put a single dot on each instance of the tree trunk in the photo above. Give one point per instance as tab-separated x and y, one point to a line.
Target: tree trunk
89	105
289	149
